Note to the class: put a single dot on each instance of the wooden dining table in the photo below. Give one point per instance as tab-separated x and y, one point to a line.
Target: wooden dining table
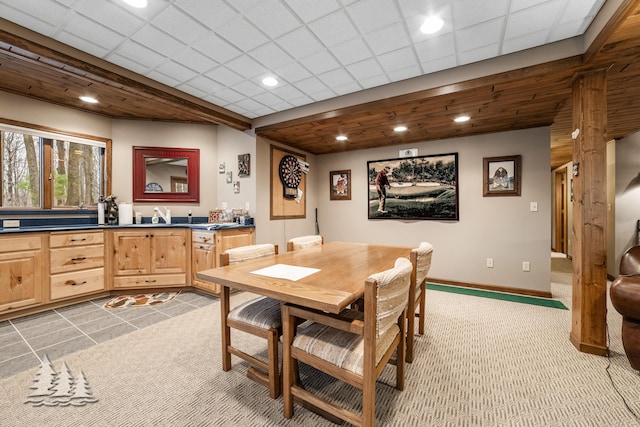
341	269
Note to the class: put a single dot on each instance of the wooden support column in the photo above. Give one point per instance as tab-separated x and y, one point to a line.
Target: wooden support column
589	284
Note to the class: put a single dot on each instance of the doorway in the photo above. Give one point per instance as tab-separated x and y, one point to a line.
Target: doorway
560	190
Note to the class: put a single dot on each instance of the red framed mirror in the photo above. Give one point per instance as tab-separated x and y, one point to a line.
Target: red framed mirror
166	175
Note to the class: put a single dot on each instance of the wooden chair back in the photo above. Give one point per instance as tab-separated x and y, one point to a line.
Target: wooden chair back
302	242
244	253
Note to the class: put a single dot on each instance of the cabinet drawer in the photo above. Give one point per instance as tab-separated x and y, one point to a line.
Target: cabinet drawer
150	281
58	240
77	283
76	258
21	243
202	236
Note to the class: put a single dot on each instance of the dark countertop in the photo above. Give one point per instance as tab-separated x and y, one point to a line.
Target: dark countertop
74	227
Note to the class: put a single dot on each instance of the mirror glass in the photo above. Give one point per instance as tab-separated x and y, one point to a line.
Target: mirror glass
166	174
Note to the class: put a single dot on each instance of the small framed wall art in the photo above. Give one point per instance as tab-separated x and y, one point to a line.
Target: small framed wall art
244	164
501	176
340	185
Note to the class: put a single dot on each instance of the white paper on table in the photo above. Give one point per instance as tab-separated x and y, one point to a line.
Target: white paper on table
284	271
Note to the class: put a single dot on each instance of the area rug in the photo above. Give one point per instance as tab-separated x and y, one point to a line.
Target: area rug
140	300
545	302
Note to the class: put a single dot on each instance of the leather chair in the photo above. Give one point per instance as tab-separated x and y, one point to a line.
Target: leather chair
352	346
260	317
304	242
625	297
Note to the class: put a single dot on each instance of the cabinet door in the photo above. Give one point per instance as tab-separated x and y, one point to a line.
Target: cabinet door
168	251
132	251
202	258
229	239
20	279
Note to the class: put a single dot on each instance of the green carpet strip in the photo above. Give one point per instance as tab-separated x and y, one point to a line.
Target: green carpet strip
545	302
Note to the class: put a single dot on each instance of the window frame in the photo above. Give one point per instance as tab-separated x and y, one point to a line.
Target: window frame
46	176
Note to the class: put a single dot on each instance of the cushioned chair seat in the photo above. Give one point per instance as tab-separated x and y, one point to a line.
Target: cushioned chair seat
340	348
262	313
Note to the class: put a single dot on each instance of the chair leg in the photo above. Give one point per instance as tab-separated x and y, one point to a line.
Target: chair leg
226	331
402	356
423	297
411	324
275	380
288	364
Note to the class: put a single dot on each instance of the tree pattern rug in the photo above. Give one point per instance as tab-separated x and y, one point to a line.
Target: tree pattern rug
140	300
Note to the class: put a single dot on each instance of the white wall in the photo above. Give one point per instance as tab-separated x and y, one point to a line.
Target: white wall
21	108
627	201
279	231
129	133
231	143
501	228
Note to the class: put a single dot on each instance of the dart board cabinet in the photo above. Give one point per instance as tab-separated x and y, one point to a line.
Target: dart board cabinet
288	184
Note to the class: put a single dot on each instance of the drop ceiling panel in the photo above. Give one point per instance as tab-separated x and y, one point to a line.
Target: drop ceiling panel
348	45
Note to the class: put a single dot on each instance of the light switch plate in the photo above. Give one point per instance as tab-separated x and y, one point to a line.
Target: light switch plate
533	207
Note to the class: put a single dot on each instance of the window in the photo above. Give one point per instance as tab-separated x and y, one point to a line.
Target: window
49	170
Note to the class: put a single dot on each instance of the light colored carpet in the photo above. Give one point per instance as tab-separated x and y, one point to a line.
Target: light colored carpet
483	362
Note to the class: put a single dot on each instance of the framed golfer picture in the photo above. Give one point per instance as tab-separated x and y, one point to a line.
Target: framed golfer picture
421	187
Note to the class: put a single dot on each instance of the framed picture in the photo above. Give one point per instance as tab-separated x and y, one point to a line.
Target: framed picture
501	176
229	177
340	185
244	164
216	215
422	187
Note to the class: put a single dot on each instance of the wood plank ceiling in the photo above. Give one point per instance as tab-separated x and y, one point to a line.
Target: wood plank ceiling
35	66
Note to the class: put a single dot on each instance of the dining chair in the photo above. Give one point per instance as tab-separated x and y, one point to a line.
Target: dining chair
421	260
260	317
304	242
352	346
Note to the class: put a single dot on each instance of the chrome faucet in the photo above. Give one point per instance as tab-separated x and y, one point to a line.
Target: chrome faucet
164	215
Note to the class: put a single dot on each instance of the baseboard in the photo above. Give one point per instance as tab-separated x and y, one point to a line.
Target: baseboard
518	291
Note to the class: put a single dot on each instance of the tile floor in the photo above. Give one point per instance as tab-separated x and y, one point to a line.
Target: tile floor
23	341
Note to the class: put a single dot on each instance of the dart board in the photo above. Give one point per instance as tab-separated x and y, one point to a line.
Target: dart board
290	175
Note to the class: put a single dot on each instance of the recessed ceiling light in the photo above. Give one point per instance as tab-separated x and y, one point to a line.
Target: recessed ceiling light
89	99
269	81
341	138
461	119
136	3
400	128
431	25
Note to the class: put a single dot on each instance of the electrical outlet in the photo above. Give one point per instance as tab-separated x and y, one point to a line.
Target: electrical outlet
489	262
8	223
526	266
533	206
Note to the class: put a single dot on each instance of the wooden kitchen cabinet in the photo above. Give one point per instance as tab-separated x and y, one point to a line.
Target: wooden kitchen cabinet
21	271
76	263
153	257
207	247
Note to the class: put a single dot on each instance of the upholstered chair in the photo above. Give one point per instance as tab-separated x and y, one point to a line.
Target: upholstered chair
421	260
304	242
260	317
352	346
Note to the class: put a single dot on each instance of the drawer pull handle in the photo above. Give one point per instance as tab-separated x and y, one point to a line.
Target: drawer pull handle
150	281
74	283
79	240
80	258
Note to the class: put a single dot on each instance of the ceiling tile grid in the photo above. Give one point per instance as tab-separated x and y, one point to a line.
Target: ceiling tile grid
220	50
